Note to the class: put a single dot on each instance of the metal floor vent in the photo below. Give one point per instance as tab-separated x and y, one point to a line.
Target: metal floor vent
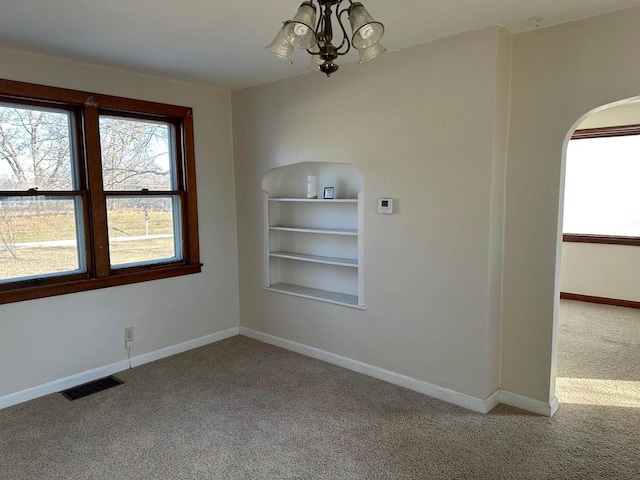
90	388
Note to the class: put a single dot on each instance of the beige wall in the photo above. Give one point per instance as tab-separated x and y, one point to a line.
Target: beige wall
426	126
610	271
559	74
626	114
48	339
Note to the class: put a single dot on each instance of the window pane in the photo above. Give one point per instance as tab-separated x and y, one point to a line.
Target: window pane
143	230
602	196
39	237
35	149
136	154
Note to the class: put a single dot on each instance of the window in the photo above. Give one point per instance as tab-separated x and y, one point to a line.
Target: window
95	191
602	197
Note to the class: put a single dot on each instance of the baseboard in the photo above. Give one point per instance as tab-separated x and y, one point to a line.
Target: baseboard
529	404
466	401
492	401
601	300
90	375
61	384
183	347
462	400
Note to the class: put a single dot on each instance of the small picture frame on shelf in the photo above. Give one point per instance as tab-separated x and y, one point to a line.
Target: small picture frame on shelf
328	193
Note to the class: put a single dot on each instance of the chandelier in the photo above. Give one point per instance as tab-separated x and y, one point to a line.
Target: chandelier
303	32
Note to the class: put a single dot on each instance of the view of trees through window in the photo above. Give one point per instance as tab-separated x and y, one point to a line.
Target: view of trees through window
35	149
135	154
42	235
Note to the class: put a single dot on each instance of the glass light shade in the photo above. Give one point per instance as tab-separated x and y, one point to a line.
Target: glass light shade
366	31
280	48
371	52
315	63
299	30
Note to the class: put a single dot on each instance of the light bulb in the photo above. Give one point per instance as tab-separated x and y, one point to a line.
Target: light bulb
366	31
300	29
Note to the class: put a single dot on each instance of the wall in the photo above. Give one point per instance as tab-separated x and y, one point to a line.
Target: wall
49	339
425	126
625	114
559	75
609	271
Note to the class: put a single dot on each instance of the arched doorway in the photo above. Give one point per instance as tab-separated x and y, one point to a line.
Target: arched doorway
598	328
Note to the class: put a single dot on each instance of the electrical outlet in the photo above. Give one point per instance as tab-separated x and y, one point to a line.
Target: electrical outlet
128	334
128	344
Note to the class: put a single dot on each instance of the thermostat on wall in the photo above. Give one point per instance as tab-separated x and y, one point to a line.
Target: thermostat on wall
385	205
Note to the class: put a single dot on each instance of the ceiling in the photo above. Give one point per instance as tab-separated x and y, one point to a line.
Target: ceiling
220	42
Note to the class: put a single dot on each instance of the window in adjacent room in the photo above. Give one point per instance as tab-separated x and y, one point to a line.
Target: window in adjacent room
602	191
95	191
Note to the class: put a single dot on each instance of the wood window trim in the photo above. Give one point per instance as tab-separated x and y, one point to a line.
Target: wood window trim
604	239
87	107
603	132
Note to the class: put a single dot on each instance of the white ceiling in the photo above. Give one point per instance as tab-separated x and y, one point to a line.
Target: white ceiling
220	42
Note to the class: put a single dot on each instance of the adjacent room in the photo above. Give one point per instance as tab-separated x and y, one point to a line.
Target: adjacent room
599	342
341	257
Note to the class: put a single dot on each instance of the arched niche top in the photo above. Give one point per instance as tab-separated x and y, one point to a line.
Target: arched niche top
291	180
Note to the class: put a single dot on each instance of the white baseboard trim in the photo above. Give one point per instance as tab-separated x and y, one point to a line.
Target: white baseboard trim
466	401
90	375
492	401
529	404
184	346
62	384
441	393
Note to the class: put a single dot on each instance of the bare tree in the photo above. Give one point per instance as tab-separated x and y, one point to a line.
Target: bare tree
37	152
35	146
134	154
7	230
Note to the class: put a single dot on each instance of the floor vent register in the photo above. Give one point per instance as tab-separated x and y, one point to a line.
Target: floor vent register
90	388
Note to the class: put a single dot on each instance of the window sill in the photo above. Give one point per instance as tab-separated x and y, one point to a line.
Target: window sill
605	239
63	288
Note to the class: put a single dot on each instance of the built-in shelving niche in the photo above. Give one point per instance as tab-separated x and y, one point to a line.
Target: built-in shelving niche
313	248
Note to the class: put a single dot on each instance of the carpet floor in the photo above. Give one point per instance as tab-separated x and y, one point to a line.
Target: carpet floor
241	409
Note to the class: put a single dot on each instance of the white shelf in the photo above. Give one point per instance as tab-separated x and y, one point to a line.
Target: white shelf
316	294
319	200
324	231
313	247
341	262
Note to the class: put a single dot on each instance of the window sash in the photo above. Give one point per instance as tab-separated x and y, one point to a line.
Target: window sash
177	233
174	150
78	200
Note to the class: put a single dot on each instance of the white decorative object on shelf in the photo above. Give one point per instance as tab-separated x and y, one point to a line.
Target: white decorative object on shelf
312	187
313	248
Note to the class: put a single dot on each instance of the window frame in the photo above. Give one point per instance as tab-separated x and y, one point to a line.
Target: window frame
603	132
86	108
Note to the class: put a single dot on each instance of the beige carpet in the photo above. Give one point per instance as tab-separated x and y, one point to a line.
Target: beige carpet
599	355
240	409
